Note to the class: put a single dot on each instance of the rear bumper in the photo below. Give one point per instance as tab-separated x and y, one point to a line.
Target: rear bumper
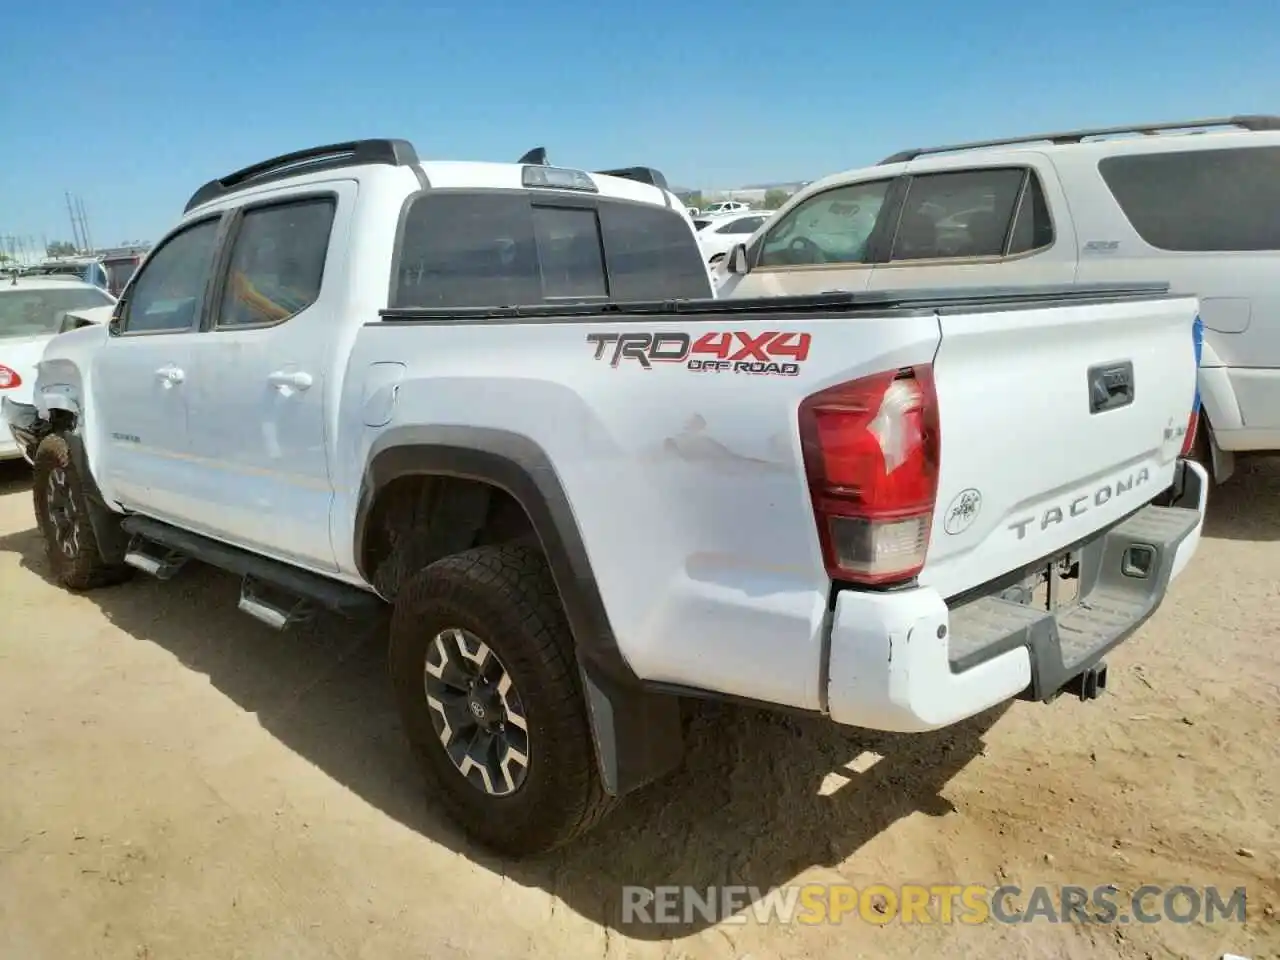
906	661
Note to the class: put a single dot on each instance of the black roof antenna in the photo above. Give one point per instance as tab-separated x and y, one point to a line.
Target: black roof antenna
536	156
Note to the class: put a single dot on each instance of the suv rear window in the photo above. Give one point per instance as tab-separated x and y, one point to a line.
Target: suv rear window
1200	200
490	249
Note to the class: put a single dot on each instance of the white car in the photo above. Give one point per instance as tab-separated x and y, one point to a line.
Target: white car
33	310
1196	203
725	206
718	235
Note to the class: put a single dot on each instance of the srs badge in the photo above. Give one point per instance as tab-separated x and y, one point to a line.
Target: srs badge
962	511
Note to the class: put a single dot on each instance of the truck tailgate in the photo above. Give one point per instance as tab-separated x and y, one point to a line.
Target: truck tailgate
1056	422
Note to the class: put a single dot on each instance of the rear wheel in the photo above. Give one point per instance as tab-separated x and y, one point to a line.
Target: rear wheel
487	684
62	512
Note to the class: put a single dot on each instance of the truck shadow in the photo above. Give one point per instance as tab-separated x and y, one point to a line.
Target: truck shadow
745	808
15	476
1247	506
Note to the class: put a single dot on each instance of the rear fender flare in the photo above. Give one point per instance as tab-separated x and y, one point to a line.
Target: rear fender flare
637	732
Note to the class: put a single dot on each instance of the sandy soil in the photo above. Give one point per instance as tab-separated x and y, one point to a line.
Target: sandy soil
178	782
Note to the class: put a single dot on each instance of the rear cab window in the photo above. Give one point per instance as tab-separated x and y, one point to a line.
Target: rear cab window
494	248
1200	200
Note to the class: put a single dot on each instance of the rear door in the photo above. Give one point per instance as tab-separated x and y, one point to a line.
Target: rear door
984	226
264	375
1208	221
1056	421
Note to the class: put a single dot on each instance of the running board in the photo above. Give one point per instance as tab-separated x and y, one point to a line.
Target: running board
275	608
273	592
153	558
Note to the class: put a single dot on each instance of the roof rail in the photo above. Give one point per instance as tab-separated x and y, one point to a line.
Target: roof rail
333	156
1252	122
639	174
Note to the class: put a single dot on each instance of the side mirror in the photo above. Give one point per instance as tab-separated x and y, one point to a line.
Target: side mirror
736	262
113	325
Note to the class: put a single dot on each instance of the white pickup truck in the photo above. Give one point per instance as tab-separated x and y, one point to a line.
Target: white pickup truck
501	399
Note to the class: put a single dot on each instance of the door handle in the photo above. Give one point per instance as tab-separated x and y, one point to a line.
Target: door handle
170	375
294	379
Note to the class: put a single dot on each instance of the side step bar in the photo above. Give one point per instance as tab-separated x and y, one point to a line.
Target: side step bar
273	592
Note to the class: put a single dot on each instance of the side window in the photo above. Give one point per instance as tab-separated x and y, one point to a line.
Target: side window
169	290
1032	226
830	227
277	262
1200	200
743	225
962	214
569	252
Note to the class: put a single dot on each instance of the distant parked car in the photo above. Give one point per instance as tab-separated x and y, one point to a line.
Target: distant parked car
33	310
718	235
1193	202
120	267
725	206
88	269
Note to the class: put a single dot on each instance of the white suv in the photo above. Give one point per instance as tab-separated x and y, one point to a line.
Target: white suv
1195	204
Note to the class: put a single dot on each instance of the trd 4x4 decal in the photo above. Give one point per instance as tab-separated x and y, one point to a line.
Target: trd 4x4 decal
769	353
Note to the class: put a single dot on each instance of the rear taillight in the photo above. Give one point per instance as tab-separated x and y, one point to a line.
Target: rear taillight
871	452
1189	439
1193	421
9	378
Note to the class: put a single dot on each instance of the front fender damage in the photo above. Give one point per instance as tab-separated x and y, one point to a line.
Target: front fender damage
25	425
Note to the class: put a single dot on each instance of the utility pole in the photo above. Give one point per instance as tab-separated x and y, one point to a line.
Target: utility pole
75	227
84	225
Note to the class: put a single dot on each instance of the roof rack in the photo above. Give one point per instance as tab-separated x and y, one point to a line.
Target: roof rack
333	156
1252	122
639	174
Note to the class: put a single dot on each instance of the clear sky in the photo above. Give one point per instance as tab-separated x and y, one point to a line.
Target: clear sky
132	104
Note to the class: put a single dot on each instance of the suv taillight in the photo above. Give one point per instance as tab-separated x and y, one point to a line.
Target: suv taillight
9	378
1189	439
871	454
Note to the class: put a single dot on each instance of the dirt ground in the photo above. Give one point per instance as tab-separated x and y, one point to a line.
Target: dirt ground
177	781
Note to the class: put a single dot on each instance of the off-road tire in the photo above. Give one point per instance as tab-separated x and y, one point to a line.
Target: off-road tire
62	513
505	596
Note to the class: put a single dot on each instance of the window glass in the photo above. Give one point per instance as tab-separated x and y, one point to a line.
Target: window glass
277	262
490	249
743	225
1203	200
963	214
830	227
118	273
569	254
1032	228
651	253
169	290
468	250
28	312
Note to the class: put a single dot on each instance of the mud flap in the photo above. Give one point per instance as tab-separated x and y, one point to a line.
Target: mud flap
638	734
